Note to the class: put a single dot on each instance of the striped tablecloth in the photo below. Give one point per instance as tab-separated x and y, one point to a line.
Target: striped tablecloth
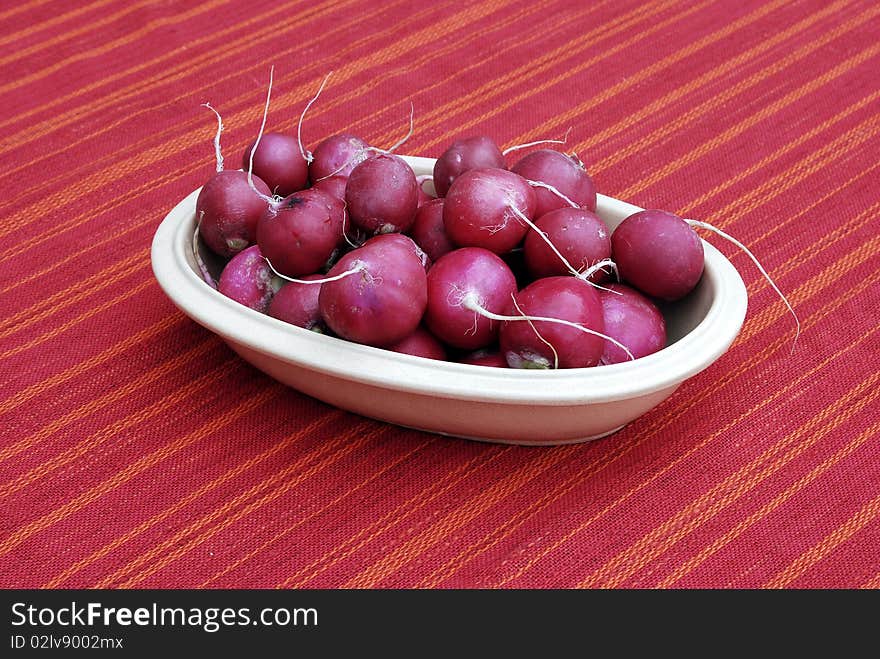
138	451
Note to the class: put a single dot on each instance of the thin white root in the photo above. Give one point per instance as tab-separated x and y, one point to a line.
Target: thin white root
206	274
547	186
517	147
402	141
600	265
350	242
709	227
470	302
272	201
217	152
357	267
537	333
306	154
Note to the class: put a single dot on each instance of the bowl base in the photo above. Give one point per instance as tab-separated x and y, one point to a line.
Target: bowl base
518	442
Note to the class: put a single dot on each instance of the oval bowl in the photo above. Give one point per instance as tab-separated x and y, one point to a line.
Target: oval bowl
476	402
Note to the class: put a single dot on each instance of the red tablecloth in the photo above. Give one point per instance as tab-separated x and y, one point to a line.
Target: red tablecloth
139	451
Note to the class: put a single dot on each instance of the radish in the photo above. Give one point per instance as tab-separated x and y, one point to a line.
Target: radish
485	357
467	273
247	279
428	230
297	304
380	293
462	156
278	161
421	343
382	195
483	208
332	185
338	155
634	321
565	174
563	325
578	234
228	209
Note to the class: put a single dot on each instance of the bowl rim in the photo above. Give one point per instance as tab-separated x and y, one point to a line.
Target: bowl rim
171	261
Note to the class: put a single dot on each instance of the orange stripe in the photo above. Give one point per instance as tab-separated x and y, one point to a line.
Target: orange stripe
104	306
767	508
96	439
63	298
105	47
369	533
103	357
328	417
662	538
270	488
461	515
668	418
828	544
75	505
24	6
765	112
181	551
682	120
62	34
873	583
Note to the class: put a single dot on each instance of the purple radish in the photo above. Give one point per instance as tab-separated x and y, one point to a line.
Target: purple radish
633	320
563	173
482	209
228	210
543	344
332	185
297	304
338	155
578	234
248	280
382	195
279	162
467	273
381	293
462	156
429	232
421	343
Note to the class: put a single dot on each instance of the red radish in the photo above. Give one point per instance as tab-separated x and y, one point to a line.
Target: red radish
421	343
577	233
658	253
564	173
297	304
483	209
428	230
279	162
228	210
384	300
335	206
382	195
634	321
485	358
248	280
462	156
298	235
332	185
543	344
338	155
467	273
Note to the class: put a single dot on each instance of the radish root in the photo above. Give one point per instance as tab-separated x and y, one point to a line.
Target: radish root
357	267
217	152
272	201
517	147
306	154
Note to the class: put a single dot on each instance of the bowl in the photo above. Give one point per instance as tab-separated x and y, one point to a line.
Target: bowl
530	407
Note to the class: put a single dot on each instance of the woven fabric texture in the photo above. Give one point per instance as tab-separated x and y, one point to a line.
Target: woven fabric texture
139	451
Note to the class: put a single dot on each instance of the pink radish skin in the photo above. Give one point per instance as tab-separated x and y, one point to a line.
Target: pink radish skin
462	156
334	205
478	209
658	253
228	211
333	185
382	303
297	304
299	235
578	234
382	195
633	320
278	161
420	343
561	171
456	275
338	155
485	358
248	280
565	298
428	230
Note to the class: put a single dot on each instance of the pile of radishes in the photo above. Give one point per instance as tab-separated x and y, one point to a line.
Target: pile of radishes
507	266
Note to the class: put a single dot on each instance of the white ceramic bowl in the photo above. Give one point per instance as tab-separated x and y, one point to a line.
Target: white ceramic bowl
476	402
